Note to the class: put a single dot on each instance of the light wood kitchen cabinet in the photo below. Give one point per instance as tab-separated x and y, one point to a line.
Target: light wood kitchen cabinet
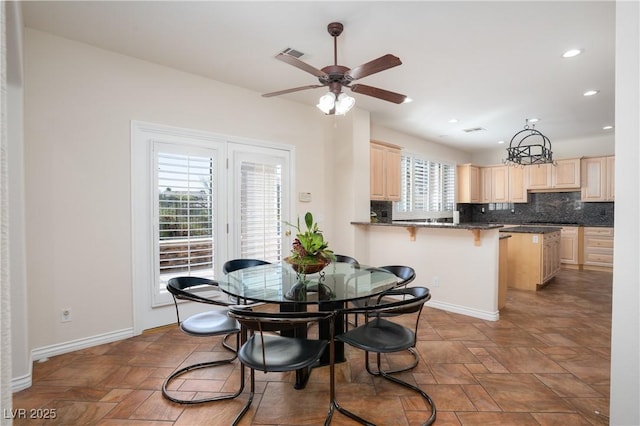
385	172
534	258
598	179
571	238
564	174
468	183
517	185
486	185
598	247
539	176
503	270
502	184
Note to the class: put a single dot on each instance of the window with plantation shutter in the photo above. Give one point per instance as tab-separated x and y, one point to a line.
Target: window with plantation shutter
260	187
186	218
260	213
199	199
428	189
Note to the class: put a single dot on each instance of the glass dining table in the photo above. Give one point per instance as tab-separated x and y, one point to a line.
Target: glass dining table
329	289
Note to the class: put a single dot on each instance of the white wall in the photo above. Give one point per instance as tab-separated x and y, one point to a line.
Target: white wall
625	331
21	365
79	101
594	146
432	150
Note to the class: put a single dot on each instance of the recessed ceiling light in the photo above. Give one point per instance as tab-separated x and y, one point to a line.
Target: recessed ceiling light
500	142
607	128
591	92
533	120
453	120
407	100
571	53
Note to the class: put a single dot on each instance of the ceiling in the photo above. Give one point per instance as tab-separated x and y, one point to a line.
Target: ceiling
487	64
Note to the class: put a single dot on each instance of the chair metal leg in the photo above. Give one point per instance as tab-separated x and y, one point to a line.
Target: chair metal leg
180	372
252	391
424	395
412	351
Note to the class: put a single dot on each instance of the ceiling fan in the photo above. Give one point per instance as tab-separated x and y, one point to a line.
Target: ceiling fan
336	77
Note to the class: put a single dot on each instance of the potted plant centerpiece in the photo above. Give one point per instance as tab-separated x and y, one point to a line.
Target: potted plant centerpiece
310	252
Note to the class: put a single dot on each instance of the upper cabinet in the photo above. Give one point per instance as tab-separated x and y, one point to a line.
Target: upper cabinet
385	172
598	175
468	184
564	174
502	184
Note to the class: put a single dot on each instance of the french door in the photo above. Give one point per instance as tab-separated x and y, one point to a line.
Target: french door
199	200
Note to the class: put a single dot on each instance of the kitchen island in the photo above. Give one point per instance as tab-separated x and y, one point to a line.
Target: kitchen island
459	263
534	256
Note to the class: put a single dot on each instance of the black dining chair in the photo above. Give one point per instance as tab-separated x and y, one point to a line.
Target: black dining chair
405	275
270	352
381	335
346	259
236	264
205	324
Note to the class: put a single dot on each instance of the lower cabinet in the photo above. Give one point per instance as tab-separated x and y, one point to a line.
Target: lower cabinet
571	238
533	259
598	247
503	270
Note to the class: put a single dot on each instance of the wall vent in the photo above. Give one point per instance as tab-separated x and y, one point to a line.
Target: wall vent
292	52
473	129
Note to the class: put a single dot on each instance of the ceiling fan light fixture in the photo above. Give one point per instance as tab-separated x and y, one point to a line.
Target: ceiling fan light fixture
327	102
344	103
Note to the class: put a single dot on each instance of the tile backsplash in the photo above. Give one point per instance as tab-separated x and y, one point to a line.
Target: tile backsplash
549	207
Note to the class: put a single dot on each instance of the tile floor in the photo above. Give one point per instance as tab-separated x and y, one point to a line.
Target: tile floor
545	362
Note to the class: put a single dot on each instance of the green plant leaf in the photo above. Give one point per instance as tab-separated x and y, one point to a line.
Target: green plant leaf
308	219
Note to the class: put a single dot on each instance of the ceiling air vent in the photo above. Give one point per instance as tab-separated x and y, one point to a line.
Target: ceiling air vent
473	129
292	52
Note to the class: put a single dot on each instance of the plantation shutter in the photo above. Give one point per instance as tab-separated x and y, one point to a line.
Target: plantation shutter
186	221
427	186
260	210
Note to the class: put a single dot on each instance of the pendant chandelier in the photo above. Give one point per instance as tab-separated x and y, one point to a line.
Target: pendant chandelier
529	146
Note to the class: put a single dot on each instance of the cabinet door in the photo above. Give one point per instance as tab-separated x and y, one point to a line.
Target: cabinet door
500	184
377	172
569	242
517	185
468	177
486	184
611	178
594	184
392	170
539	176
566	174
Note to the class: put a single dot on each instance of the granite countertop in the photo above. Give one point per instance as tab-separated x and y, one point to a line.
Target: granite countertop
532	229
448	225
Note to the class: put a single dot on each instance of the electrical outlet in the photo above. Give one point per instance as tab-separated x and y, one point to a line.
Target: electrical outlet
65	315
436	282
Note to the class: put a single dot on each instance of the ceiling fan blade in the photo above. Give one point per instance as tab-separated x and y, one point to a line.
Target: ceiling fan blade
382	63
295	89
292	60
385	95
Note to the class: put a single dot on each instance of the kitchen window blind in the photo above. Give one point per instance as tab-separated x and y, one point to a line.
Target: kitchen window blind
427	187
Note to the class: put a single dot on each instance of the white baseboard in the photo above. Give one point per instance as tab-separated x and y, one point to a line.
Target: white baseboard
41	354
21	383
464	310
74	345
